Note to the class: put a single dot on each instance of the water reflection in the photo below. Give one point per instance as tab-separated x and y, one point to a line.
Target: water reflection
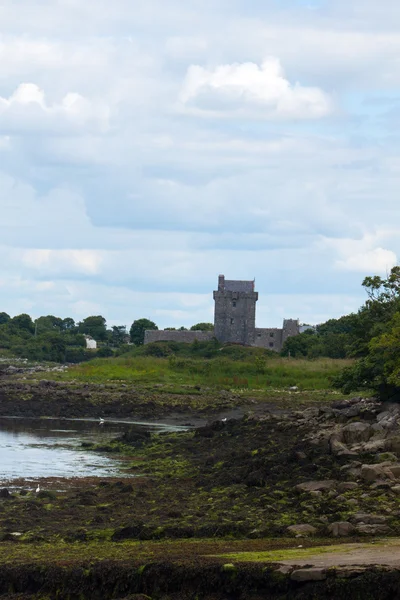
34	448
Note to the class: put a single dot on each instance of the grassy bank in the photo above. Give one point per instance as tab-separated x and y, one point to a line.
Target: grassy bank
255	372
139	385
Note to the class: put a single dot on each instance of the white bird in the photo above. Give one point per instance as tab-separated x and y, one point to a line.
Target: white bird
101	421
224	419
38	488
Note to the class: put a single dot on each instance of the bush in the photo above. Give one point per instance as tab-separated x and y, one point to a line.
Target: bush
104	352
77	355
158	349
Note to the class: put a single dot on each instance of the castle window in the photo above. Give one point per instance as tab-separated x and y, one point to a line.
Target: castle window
271	335
258	334
271	344
232	321
234	303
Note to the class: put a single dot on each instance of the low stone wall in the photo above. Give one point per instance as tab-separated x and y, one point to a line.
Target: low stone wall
187	337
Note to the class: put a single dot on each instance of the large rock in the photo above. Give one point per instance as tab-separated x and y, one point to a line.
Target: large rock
314	574
382	415
351	412
316	486
354	433
365	529
378	445
341	529
302	530
369	519
388	422
371	473
338	448
349	572
393	444
385	470
394	469
345	486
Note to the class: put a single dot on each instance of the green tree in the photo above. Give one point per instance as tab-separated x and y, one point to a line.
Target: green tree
95	326
4	318
68	324
378	340
48	346
118	335
347	324
23	323
138	328
48	323
300	345
202	327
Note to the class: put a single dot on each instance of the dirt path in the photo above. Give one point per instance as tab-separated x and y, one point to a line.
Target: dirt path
382	552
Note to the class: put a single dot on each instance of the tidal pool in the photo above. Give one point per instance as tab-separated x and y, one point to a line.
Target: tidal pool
36	448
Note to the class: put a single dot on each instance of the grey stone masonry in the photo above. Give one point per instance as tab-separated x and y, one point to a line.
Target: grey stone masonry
269	338
235	311
290	327
177	336
234	320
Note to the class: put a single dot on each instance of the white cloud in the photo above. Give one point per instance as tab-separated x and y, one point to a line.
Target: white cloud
363	255
67	262
373	261
252	90
27	110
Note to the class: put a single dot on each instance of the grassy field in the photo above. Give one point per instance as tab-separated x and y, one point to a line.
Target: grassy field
257	373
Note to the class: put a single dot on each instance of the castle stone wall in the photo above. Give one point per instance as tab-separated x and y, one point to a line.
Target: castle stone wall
290	327
187	337
269	338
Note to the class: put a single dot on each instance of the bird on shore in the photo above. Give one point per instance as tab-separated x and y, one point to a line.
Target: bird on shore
224	420
101	421
38	488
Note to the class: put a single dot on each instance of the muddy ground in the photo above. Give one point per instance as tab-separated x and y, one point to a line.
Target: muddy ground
23	397
267	480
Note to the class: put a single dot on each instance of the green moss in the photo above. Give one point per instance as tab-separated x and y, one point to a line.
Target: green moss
290	554
229	568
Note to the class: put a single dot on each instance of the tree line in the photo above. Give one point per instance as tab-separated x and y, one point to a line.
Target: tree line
51	338
371	336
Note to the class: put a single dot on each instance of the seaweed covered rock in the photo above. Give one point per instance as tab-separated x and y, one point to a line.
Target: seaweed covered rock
341	529
302	530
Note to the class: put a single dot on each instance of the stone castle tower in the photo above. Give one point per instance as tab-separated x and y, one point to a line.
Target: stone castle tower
235	311
234	321
235	317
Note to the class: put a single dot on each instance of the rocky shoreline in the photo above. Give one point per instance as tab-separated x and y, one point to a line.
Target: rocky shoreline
322	475
328	471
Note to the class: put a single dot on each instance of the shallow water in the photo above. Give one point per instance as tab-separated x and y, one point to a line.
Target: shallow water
35	448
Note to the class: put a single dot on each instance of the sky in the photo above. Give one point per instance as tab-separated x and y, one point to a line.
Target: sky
147	147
